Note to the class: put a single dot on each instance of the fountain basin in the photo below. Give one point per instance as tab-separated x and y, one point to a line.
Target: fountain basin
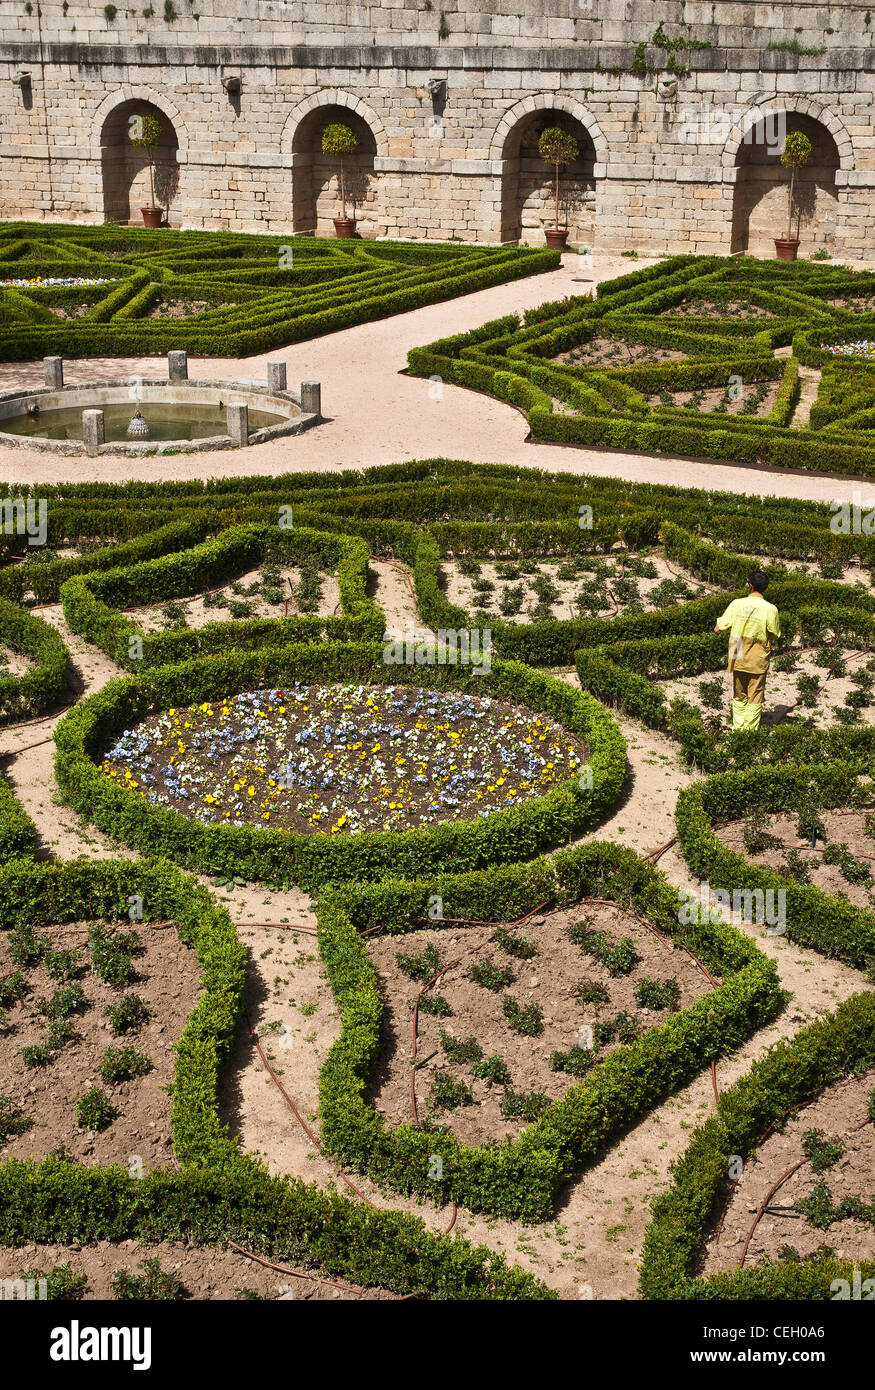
183	416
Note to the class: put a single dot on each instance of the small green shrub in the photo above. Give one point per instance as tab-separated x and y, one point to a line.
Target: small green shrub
94	1110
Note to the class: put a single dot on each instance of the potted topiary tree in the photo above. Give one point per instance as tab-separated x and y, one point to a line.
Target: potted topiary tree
559	148
146	133
795	154
340	140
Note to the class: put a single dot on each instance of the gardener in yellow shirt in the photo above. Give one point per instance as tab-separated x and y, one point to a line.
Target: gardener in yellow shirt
752	622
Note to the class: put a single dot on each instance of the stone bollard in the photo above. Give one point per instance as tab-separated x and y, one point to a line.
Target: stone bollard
276	376
54	369
311	398
177	365
92	431
238	424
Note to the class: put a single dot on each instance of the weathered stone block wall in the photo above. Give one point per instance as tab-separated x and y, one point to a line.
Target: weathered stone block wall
663	124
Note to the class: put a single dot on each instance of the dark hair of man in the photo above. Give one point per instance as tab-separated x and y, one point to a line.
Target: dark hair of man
758	581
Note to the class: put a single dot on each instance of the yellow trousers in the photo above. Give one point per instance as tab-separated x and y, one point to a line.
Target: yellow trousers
748	692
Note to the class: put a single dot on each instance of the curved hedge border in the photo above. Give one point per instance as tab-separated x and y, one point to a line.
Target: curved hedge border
220	1193
791	1071
521	1179
44	894
830	925
44	579
45	683
283	1219
91	601
314	859
17	831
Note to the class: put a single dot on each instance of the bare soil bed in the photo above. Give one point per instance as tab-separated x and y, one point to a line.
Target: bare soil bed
286	590
13	663
46	1095
211	1273
548	980
183	308
707	308
64	311
756	400
789	852
807	693
835	1114
858	303
614	352
570	586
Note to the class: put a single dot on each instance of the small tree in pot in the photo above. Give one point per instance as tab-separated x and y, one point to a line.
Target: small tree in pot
146	133
340	140
559	148
794	156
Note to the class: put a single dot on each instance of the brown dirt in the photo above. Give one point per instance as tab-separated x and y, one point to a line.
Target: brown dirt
63	312
840	827
183	308
209	1273
549	979
615	352
782	703
835	1112
197	612
858	303
460	590
708	401
168	980
707	308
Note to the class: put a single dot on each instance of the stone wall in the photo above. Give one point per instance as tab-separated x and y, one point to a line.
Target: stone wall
664	162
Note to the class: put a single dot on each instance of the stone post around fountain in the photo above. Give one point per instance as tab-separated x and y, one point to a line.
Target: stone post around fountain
276	376
54	370
92	431
177	365
238	424
311	398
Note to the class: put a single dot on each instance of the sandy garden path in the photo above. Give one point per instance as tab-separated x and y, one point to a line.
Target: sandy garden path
376	416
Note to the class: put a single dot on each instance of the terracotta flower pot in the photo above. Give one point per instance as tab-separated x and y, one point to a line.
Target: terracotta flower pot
344	227
556	237
786	248
152	217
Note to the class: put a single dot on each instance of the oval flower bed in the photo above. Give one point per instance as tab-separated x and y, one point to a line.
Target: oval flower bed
342	758
557	803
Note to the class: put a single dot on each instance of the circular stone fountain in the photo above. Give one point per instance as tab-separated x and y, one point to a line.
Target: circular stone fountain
138	416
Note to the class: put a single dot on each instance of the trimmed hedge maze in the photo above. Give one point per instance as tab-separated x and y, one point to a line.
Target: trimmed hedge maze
607	659
697	356
789	1075
87	292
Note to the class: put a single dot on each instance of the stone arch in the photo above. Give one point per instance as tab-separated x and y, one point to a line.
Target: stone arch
333	96
549	101
124	168
751	158
527	182
791	106
315	190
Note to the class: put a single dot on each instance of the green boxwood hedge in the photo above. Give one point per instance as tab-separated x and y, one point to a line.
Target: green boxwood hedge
791	1072
521	1179
44	683
313	859
830	925
91	601
219	1193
